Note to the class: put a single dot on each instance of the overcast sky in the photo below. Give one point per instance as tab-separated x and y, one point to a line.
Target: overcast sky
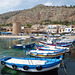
13	5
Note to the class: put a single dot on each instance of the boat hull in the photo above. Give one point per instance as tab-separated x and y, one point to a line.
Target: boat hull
34	70
31	64
57	44
40	55
53	48
24	46
47	53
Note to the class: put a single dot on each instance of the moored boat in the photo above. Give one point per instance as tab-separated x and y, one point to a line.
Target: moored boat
47	53
31	64
21	39
21	46
60	42
47	47
55	44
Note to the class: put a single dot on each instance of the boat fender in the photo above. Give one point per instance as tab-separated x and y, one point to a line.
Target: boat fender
25	67
14	66
2	62
39	67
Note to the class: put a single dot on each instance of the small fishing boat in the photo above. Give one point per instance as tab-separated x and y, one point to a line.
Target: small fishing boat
32	39
21	39
47	47
21	46
32	64
65	41
18	46
46	53
55	44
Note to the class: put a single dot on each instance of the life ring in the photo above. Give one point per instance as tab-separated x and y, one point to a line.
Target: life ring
14	66
39	67
2	62
25	67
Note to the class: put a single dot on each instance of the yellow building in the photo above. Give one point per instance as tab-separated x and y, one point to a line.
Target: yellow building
27	30
61	30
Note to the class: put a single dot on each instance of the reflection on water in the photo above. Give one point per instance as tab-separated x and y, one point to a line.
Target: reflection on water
69	61
5	70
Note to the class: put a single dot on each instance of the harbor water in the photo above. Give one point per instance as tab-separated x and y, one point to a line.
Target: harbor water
7	50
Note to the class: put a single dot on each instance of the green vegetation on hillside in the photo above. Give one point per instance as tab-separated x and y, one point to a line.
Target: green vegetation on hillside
41	14
46	22
29	25
10	24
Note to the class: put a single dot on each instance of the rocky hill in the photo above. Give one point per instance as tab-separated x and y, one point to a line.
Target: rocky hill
38	14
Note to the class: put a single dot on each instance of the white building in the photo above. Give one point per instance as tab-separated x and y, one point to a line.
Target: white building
68	30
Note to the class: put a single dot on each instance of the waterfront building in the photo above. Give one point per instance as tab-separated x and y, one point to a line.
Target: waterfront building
52	28
38	32
67	29
9	29
6	29
73	28
62	29
35	27
27	30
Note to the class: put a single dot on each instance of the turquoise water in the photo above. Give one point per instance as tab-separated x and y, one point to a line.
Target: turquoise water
5	49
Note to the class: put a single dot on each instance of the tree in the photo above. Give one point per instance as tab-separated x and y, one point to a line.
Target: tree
29	25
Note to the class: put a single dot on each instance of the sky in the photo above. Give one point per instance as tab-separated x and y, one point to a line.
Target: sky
14	5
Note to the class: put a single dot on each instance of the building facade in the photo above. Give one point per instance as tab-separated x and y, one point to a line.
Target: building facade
27	30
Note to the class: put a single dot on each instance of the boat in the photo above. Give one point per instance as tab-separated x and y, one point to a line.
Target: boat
40	38
47	47
31	64
21	39
64	41
46	53
51	42
32	38
18	46
55	44
22	46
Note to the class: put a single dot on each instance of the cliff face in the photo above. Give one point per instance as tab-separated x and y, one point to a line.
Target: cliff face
39	13
6	16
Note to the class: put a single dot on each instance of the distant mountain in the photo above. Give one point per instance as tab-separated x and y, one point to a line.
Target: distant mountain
38	14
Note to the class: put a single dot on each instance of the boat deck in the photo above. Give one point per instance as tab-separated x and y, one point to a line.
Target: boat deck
39	51
26	62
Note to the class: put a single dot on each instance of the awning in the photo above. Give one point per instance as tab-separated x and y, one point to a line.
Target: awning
8	33
3	32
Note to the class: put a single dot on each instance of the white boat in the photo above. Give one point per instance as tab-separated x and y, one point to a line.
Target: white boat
31	64
52	43
20	39
47	53
51	47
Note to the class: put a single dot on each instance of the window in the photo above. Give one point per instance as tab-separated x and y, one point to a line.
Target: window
72	26
72	29
7	30
60	30
68	29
